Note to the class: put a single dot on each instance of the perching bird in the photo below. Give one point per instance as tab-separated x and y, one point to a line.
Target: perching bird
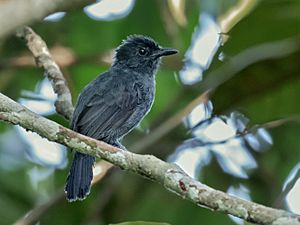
114	103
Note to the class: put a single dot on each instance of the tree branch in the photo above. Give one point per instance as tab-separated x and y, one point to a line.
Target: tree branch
44	60
30	11
169	175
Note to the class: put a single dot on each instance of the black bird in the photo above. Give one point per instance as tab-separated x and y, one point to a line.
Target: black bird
114	103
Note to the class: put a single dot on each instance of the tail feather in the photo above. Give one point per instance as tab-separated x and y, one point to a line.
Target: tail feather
80	177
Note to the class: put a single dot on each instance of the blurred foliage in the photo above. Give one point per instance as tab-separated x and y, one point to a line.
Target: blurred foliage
140	223
264	91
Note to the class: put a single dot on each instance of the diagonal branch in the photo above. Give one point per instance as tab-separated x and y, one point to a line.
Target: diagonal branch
44	60
169	175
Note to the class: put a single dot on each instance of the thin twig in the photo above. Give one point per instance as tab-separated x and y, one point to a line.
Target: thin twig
280	122
236	13
44	60
172	177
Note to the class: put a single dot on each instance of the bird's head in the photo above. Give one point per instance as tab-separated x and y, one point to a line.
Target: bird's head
141	53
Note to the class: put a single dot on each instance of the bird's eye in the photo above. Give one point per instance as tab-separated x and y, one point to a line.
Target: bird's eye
142	51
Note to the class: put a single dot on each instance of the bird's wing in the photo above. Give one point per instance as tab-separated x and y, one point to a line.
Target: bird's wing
107	110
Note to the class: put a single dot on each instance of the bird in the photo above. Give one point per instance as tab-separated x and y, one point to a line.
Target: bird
114	103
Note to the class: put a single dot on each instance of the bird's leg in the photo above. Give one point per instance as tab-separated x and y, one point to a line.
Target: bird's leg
119	145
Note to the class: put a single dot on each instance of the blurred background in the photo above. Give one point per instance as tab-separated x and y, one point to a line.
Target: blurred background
243	140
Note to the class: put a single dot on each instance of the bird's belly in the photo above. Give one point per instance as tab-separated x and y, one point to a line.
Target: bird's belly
137	116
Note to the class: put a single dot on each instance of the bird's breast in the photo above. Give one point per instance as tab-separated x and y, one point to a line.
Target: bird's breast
144	94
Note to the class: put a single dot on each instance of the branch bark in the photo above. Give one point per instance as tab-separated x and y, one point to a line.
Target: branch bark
169	175
44	60
26	12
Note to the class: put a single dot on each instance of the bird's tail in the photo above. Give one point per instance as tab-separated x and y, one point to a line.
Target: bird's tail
80	177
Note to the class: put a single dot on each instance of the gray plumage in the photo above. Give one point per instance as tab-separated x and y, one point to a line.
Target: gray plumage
114	103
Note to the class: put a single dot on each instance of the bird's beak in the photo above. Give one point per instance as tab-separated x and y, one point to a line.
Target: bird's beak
165	51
